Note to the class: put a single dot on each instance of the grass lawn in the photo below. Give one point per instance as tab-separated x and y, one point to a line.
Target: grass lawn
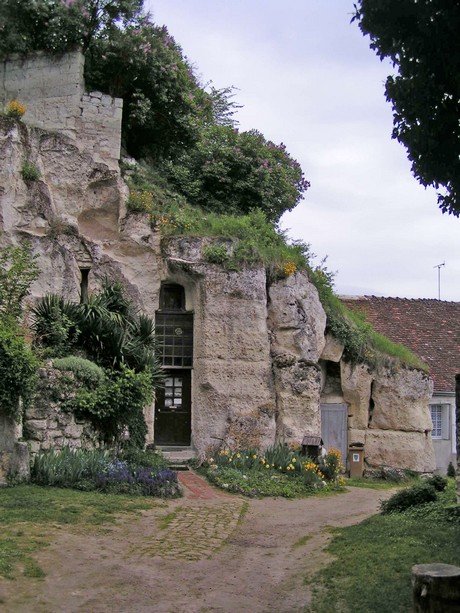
29	514
371	572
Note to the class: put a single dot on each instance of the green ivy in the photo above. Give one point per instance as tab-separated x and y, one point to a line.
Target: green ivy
18	269
18	368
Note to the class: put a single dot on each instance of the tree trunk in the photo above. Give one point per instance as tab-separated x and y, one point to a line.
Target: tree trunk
436	588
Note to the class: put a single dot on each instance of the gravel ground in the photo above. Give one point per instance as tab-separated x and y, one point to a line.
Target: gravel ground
215	553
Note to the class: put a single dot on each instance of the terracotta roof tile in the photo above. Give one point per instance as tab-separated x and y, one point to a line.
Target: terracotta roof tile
429	328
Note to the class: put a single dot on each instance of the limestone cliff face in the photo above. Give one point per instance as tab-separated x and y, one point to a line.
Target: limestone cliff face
262	365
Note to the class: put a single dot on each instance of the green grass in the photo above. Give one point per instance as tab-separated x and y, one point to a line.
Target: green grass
379	484
371	571
167	519
29	515
303	540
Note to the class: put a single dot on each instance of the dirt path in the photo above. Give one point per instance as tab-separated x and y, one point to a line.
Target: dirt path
205	553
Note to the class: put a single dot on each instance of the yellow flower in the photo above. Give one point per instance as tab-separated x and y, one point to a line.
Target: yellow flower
267	465
280	468
294	460
289	268
254	456
238	455
15	109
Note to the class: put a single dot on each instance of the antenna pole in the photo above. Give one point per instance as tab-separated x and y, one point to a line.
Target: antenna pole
439	266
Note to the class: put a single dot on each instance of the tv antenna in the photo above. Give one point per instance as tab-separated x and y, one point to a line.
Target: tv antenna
439	266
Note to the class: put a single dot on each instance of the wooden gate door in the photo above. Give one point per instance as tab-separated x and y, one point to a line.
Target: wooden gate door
334	428
173	409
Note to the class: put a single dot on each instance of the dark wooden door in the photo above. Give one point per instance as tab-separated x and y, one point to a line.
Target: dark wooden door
173	409
334	428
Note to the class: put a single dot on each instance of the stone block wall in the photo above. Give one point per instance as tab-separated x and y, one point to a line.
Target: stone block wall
47	426
52	88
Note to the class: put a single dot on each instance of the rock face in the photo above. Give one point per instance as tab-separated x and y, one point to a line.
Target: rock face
262	365
14	455
297	323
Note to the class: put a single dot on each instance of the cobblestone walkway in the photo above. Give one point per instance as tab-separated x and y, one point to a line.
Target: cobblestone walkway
203	520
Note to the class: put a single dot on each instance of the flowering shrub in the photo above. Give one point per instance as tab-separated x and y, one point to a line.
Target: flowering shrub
289	268
15	109
140	201
331	465
100	470
279	464
121	478
232	172
173	223
286	269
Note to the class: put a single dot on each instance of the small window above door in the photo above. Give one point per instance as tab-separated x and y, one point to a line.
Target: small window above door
172	297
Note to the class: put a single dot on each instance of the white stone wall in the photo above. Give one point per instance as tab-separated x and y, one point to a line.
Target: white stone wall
52	88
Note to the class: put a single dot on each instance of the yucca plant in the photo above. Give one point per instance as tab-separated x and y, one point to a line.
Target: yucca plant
55	324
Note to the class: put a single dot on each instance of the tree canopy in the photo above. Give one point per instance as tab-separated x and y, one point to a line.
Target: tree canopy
185	129
421	38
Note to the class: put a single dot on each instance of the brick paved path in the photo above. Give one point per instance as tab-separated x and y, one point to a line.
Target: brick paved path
197	488
198	524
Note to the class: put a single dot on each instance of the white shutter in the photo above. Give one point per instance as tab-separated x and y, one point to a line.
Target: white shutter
445	421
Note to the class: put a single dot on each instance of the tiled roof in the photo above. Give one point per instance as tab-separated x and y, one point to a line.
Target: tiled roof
429	328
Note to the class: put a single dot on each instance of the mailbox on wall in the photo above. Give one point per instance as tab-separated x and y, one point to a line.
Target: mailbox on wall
356	459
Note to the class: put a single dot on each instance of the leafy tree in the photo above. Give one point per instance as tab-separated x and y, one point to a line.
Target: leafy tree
18	365
18	269
18	368
421	38
59	25
164	106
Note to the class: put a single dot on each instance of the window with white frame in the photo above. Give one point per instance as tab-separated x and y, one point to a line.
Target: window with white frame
440	416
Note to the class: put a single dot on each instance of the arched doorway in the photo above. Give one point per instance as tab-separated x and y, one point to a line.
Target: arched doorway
173	405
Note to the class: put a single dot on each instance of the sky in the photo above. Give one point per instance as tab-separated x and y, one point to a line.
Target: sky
307	77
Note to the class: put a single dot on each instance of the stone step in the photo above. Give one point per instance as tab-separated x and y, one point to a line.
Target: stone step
178	455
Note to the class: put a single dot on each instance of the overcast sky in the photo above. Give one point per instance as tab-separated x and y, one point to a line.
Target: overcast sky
306	77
